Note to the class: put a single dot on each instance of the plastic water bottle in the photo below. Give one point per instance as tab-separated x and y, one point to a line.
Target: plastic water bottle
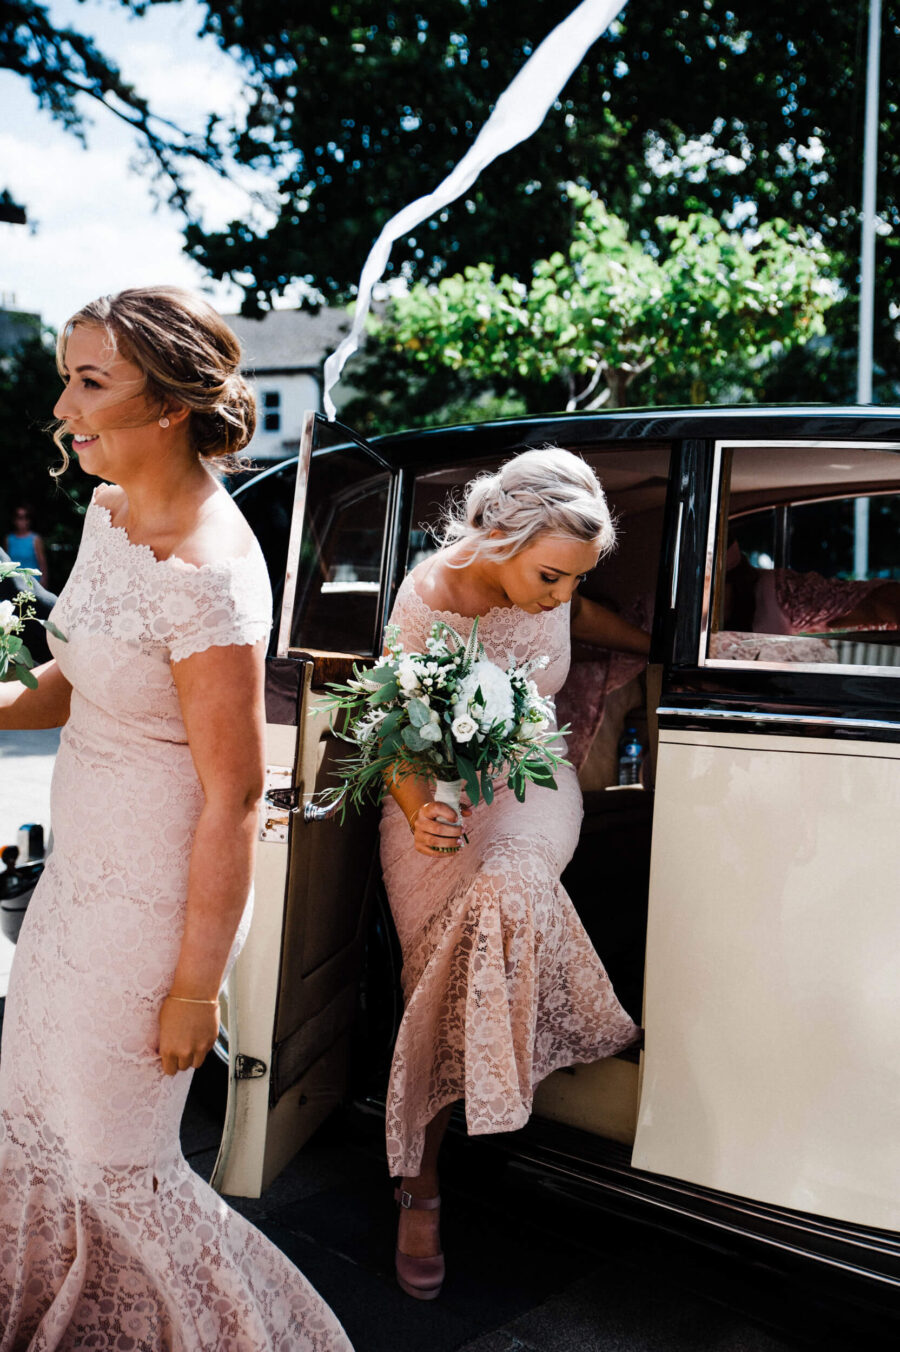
631	756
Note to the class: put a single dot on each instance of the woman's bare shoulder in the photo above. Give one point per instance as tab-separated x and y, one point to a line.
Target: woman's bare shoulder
433	582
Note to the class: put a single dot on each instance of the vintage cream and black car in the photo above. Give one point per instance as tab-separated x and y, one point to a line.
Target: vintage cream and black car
744	898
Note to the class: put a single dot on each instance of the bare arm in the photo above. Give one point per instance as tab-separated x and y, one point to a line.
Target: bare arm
40	554
221	695
593	623
46	707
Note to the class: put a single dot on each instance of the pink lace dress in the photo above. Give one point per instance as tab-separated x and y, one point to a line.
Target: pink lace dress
108	1240
500	980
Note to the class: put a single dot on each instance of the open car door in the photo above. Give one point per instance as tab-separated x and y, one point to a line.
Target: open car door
292	995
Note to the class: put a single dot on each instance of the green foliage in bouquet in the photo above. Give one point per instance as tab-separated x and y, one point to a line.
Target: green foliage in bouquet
446	714
15	659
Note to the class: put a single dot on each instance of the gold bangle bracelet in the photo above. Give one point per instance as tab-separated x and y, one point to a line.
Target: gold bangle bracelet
187	1000
411	819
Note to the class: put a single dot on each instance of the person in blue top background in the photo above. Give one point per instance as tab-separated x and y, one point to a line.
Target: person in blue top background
24	546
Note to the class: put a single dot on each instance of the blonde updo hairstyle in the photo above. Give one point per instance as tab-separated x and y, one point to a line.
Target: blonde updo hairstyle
189	356
542	492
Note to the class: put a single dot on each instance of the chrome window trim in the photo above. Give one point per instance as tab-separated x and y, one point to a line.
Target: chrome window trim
829	668
298	512
780	720
293	556
726	664
676	561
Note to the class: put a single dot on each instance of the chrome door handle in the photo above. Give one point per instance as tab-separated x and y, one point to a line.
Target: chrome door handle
288	800
312	812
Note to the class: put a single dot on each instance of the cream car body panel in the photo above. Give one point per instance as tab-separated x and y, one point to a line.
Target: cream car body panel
252	989
773	1005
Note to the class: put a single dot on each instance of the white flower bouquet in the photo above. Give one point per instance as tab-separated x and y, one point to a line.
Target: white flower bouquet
448	715
15	659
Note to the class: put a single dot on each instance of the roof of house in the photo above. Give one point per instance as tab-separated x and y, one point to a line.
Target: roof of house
284	339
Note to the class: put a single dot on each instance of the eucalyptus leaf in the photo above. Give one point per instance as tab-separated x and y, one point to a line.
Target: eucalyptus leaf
391	742
52	629
419	713
389	722
383	675
385	694
413	739
26	677
468	772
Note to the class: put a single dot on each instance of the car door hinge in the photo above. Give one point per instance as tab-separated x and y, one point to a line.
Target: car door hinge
249	1067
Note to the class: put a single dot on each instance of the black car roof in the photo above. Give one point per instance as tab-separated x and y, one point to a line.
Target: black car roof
707	422
473	440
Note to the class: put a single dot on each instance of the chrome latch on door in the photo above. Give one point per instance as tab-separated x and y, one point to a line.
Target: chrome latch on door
288	799
280	799
249	1067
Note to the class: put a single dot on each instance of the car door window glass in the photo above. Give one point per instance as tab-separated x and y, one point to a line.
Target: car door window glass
812	576
339	570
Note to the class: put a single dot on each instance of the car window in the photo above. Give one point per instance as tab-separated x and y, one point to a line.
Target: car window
339	570
810	577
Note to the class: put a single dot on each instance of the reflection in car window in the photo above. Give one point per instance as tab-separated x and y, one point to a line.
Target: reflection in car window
339	570
788	585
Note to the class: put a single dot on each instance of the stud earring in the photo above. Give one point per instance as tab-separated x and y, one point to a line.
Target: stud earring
163	422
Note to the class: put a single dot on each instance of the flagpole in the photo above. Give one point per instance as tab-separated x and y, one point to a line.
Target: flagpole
867	266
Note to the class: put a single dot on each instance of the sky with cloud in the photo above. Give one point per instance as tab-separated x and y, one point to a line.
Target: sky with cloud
94	226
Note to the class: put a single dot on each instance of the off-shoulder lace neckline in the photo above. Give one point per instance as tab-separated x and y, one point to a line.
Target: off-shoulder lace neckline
121	534
492	610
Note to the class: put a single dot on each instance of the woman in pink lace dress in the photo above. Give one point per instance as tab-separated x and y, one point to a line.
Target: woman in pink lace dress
107	1238
502	985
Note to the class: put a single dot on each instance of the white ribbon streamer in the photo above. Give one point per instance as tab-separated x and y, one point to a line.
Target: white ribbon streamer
518	113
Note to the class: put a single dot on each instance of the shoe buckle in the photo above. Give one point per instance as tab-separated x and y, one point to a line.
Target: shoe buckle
406	1199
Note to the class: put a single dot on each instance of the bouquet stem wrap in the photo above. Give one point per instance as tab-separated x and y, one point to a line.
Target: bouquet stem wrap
448	791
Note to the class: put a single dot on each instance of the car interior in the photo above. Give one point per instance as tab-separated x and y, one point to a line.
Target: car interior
791	584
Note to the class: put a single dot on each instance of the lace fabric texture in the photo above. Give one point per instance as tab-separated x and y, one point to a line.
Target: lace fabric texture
811	602
108	1240
500	980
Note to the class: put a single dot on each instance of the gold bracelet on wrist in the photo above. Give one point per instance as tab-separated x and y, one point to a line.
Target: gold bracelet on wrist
188	1000
411	819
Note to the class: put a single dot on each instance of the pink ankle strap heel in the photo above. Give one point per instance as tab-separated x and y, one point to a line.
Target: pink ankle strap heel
421	1278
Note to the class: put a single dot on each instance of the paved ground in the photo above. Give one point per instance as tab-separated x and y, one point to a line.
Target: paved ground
525	1274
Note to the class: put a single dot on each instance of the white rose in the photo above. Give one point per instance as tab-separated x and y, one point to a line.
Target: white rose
464	728
9	617
407	677
528	730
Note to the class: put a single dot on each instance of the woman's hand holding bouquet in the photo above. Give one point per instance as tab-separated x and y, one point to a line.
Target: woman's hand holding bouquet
447	716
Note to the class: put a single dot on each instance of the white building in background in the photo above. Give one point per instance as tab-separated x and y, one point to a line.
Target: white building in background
284	352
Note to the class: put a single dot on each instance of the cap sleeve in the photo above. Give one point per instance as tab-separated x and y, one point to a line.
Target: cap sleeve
218	605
